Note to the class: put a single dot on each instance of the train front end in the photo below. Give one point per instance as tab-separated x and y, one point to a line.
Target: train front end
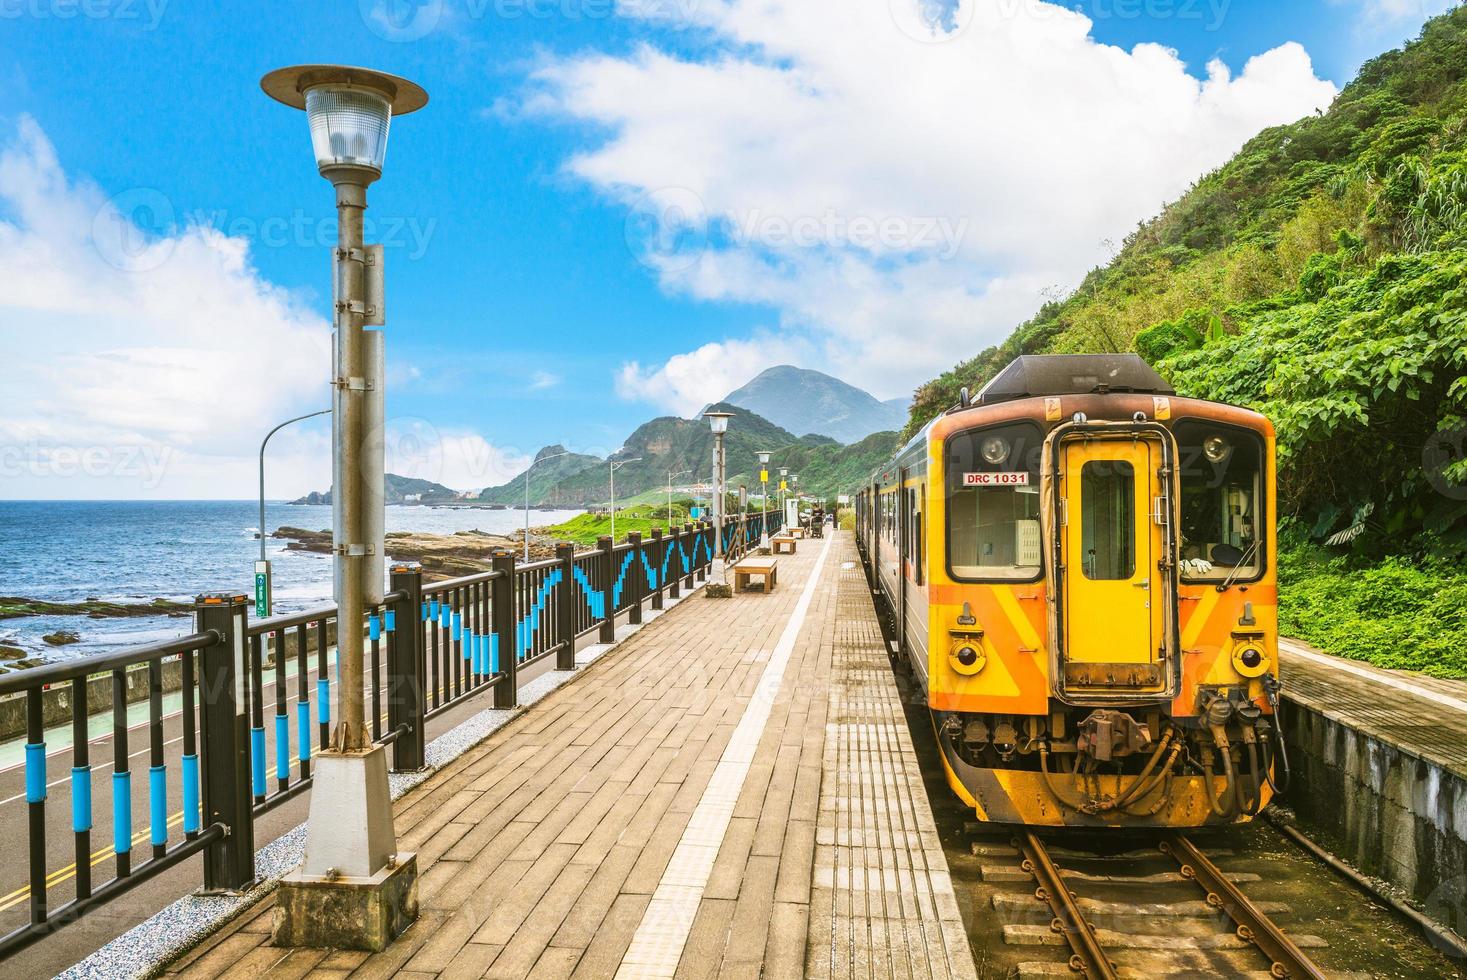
1101	629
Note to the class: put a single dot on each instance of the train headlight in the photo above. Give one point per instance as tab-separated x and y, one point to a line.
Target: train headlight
1216	448
967	657
995	450
1250	661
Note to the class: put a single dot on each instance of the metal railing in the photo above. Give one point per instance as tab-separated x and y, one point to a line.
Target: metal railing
430	647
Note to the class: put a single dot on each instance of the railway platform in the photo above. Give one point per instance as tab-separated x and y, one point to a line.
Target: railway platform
730	791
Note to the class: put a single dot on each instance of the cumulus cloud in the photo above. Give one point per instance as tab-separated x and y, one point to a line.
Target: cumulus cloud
685	383
900	190
146	356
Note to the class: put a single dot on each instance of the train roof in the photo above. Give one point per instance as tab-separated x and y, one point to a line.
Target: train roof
1031	375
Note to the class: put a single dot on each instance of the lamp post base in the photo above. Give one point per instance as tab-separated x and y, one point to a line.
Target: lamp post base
351	890
346	912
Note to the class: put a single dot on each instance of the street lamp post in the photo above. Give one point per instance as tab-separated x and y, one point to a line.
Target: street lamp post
784	472
527	497
718	422
351	890
764	499
264	591
614	464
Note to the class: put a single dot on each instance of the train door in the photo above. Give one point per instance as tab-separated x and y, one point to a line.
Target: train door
904	539
1113	508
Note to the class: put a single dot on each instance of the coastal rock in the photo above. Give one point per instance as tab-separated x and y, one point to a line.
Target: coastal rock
11	653
14	607
61	638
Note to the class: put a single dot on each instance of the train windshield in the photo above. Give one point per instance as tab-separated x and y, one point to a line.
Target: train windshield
993	529
1222	500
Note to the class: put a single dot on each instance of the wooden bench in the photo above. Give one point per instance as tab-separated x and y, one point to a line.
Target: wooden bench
765	568
782	544
797	532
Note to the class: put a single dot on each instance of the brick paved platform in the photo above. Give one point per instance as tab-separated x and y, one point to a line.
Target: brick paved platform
730	792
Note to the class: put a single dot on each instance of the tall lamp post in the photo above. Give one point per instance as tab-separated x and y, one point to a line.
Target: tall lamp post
784	472
718	422
537	459
615	464
351	889
264	586
670	475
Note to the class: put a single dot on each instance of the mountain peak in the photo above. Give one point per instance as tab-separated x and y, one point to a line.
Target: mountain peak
806	400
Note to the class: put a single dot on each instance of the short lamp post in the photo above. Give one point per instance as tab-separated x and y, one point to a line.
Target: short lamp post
537	459
784	473
764	499
718	422
352	888
615	465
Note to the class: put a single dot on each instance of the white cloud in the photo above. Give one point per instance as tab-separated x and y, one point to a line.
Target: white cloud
939	186
542	380
685	383
147	359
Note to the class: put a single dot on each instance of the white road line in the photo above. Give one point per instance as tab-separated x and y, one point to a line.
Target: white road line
1374	676
658	943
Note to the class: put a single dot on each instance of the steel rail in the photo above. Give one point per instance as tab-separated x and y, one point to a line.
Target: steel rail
1287	959
1087	957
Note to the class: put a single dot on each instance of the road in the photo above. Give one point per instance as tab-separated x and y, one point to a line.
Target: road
79	939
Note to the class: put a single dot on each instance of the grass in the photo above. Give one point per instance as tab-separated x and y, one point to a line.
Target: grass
1399	613
585	529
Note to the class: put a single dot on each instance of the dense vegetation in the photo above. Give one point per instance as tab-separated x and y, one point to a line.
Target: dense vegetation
1321	277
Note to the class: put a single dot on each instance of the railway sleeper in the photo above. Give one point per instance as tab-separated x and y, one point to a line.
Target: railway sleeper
1190	909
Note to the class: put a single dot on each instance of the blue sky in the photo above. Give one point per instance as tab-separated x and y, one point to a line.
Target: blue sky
819	184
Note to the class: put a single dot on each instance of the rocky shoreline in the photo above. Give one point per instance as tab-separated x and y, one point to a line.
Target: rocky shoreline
440	555
14	607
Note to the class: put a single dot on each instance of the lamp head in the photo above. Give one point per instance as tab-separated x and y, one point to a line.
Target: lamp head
763	459
718	421
349	111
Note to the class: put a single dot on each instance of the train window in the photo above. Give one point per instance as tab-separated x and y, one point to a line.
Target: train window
1108	519
1221	501
993	507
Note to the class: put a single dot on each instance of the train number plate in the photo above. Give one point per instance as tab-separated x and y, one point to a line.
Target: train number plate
1009	479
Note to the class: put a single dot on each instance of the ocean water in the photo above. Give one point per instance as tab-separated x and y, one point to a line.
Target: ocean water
135	551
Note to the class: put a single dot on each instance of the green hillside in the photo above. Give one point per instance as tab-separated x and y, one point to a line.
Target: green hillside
826	468
545	477
1320	276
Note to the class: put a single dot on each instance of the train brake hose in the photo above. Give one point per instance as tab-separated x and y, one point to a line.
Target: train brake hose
1279	750
1132	792
1076	805
1163	779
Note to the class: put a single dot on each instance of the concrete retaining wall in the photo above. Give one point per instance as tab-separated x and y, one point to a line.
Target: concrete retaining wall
1391	814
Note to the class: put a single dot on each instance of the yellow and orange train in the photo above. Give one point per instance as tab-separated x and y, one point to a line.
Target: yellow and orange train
1079	567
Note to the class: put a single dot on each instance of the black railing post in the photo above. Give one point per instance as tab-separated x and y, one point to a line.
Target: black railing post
674	563
705	532
606	562
565	607
502	621
229	864
690	548
659	558
634	579
404	669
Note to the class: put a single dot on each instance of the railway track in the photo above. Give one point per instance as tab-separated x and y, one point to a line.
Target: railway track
1164	909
